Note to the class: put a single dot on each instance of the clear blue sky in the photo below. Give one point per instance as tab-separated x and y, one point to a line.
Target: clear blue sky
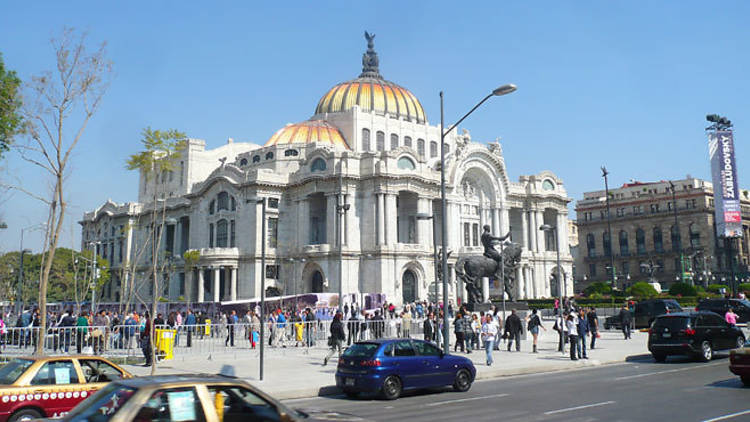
625	84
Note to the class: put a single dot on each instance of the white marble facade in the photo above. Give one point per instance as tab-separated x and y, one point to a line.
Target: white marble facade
377	245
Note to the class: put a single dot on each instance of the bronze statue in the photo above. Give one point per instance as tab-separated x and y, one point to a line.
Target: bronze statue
370	58
471	268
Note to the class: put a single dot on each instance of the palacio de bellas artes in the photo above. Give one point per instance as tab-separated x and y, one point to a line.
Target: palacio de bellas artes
352	195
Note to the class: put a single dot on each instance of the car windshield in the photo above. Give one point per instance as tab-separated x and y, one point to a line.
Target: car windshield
13	369
361	350
673	323
103	405
673	305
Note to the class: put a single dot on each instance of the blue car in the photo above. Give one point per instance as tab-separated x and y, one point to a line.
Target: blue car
390	366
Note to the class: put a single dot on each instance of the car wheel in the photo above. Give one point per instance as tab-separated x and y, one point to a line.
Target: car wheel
706	352
351	394
25	415
391	387
740	342
659	357
745	380
463	381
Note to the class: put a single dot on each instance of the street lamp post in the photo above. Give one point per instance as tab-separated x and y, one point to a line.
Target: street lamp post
503	90
262	201
94	276
605	173
341	210
553	230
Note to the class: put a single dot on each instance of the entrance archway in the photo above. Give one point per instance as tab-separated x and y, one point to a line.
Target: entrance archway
409	287
317	282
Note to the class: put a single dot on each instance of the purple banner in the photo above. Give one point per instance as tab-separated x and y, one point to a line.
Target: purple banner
726	189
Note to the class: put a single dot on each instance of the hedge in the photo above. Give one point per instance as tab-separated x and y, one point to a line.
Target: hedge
684	301
682	289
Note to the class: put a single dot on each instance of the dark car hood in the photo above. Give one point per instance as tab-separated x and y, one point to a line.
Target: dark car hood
326	415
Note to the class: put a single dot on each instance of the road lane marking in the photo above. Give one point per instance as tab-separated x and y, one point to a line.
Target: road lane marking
586	406
628	377
731	415
463	400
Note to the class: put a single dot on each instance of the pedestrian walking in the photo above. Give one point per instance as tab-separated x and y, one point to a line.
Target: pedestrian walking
458	330
513	330
190	322
572	325
337	337
489	332
146	340
406	323
231	324
593	326
352	328
428	328
730	317
468	331
533	326
476	331
583	331
626	319
561	332
254	329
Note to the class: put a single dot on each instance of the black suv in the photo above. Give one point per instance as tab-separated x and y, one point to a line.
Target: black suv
645	313
741	307
694	333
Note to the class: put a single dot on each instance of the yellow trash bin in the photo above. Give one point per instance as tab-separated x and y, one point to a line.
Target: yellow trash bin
165	343
207	328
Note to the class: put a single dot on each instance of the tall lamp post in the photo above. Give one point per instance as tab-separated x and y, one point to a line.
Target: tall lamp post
676	233
553	230
262	201
503	90
434	251
605	173
94	275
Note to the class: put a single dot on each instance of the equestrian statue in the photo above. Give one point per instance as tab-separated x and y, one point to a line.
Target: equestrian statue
470	269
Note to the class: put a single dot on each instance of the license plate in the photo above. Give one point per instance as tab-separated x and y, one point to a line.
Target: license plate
349	382
666	335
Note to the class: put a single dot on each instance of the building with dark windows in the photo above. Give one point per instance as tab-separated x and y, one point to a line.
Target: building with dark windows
646	240
368	145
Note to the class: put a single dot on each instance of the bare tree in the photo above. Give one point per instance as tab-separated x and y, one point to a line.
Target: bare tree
57	110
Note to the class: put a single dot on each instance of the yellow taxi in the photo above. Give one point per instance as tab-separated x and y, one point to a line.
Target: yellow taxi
190	398
46	386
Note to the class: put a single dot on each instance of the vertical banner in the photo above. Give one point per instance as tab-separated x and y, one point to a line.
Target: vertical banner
724	177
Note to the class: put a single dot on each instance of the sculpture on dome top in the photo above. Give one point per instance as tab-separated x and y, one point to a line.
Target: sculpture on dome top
370	59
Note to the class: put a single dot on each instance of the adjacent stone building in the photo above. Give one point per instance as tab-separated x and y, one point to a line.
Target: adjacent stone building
645	236
344	190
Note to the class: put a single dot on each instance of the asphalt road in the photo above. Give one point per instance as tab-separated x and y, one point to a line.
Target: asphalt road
638	390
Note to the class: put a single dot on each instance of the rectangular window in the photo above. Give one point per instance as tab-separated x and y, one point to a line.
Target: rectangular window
592	270
182	284
475	234
232	238
210	235
273	203
420	148
119	250
170	239
272	271
273	232
467	235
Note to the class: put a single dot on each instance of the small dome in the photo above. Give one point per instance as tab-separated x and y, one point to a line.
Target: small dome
371	92
307	132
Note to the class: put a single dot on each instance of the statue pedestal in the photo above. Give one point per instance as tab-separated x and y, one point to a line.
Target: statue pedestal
478	307
520	306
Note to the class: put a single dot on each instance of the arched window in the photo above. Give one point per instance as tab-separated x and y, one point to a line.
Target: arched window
318	164
406	163
256	158
675	238
394	141
420	148
221	234
695	236
365	139
269	155
658	241
291	153
407	141
222	201
380	141
433	149
606	244
640	241
234	203
624	250
211	235
211	207
243	162
591	245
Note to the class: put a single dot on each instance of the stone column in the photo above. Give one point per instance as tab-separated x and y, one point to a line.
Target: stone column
304	221
331	219
562	224
532	230
380	218
485	288
348	218
540	244
524	230
496	222
391	225
200	285
504	220
217	284
233	291
424	230
521	290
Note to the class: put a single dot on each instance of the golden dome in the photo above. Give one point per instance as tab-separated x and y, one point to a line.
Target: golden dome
308	132
372	93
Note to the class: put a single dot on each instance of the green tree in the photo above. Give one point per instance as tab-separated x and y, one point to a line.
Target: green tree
598	287
682	289
11	120
642	289
161	149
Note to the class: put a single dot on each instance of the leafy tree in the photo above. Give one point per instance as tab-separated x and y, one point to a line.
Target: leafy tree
682	289
598	287
642	289
11	120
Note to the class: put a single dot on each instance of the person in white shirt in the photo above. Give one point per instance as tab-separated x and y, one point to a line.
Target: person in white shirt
572	324
489	332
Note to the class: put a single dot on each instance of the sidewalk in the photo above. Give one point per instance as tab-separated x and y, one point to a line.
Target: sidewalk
292	373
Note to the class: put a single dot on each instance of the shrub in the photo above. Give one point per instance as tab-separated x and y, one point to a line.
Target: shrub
716	288
745	287
598	287
642	289
682	289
